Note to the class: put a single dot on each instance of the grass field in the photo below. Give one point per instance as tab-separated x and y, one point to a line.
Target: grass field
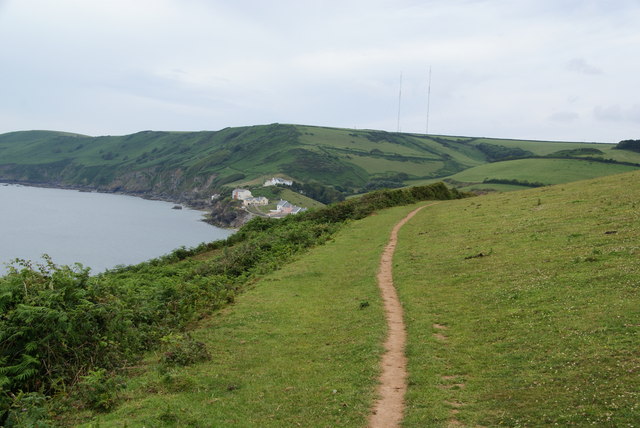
542	148
523	308
301	348
547	171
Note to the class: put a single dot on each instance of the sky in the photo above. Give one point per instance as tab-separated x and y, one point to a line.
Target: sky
531	69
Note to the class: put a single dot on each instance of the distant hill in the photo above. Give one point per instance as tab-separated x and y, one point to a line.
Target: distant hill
191	166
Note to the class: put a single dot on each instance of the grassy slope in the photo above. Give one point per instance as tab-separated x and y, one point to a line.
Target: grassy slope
547	171
542	331
544	170
198	163
284	347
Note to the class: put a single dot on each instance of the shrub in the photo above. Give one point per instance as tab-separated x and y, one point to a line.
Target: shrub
99	389
632	145
183	350
28	409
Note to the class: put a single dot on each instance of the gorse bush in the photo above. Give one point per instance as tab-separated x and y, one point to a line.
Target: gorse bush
61	327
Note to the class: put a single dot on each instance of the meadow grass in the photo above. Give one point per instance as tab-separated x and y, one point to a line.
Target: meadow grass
547	171
300	348
523	309
543	148
300	200
380	165
351	139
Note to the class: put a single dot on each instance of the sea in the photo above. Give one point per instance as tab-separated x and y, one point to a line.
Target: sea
98	230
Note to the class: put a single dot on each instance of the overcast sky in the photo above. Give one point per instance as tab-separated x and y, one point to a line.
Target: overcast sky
534	69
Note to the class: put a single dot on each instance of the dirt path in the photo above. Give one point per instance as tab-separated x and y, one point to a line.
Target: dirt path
388	410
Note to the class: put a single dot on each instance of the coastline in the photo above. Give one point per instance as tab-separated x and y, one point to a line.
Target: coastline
200	206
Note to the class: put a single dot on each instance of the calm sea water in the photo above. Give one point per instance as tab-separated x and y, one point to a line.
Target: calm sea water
98	230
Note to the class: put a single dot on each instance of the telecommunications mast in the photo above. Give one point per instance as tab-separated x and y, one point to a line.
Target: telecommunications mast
399	101
428	100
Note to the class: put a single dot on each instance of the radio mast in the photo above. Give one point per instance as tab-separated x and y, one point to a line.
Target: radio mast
428	100
399	101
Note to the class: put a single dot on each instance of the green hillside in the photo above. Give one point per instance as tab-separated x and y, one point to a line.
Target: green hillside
191	166
524	307
543	171
522	310
68	339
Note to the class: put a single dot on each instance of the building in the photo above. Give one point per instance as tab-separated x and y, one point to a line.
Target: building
259	200
241	194
284	208
277	180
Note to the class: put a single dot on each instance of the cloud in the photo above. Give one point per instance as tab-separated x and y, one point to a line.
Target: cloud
564	117
617	113
504	69
579	65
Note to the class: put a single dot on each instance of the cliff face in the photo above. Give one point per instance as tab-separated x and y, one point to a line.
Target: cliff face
228	214
171	185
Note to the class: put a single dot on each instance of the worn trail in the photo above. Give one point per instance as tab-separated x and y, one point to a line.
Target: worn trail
388	410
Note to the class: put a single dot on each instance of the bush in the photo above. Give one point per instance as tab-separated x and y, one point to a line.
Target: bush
631	145
183	350
496	152
514	182
99	389
28	409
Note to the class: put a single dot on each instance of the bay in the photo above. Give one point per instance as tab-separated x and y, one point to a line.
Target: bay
99	230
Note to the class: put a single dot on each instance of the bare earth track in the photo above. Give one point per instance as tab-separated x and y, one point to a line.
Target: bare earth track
388	410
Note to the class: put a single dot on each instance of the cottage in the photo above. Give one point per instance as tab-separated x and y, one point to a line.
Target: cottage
241	194
284	208
259	200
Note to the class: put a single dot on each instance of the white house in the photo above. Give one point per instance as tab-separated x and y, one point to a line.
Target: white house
259	200
241	194
277	180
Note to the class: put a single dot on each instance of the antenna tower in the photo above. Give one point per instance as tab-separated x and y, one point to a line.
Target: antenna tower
428	100
399	101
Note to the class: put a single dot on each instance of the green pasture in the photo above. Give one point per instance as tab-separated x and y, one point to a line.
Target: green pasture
622	155
300	348
547	171
542	148
352	140
523	308
300	200
380	165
